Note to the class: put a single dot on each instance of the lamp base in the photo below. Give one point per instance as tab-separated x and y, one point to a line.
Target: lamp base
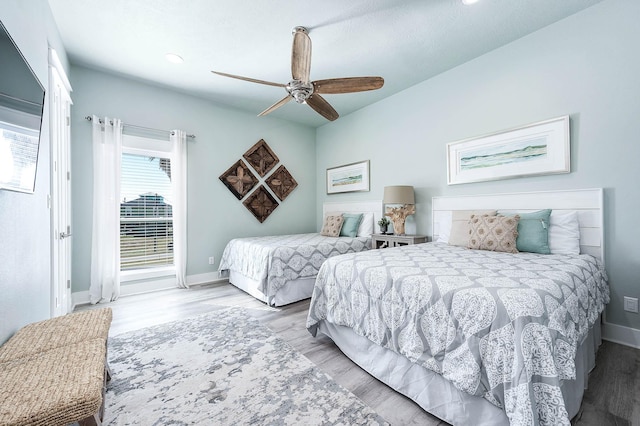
398	216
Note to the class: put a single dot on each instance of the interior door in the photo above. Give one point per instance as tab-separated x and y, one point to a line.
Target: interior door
60	132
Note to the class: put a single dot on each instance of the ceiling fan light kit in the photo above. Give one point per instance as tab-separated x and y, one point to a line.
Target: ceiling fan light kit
304	91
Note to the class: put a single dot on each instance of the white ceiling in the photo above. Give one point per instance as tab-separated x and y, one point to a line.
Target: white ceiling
405	42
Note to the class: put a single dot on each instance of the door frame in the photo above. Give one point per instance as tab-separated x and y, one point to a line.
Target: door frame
60	199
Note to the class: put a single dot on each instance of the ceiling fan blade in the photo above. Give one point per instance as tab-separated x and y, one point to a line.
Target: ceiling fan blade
347	85
253	80
322	107
276	105
301	55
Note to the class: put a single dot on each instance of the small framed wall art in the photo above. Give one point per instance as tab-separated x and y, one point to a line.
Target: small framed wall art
281	182
535	149
348	178
239	179
261	157
260	203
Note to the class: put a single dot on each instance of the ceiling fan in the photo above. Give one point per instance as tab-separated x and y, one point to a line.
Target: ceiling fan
302	89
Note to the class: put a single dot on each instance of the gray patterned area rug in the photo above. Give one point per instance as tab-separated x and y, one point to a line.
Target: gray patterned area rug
222	368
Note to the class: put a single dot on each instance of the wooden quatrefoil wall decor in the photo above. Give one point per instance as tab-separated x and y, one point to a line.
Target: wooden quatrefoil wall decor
261	203
281	182
239	179
261	157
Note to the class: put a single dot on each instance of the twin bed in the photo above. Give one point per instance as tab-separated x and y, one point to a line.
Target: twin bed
475	336
280	270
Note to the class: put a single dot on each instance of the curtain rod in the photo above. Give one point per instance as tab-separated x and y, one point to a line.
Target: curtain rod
89	118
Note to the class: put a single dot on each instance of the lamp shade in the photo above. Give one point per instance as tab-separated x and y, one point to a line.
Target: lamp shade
400	194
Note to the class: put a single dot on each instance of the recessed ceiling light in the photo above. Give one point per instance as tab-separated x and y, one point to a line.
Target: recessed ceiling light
172	57
468	2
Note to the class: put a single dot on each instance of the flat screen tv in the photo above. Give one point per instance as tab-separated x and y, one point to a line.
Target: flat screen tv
21	106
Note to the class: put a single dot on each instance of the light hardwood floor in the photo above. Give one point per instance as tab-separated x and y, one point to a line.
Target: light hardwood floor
613	397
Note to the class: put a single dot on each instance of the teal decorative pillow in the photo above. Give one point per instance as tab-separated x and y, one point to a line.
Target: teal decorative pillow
350	224
533	232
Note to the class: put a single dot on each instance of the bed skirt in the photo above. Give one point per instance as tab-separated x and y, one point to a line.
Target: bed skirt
292	291
438	396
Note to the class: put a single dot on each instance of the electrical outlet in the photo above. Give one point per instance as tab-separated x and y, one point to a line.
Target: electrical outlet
212	260
631	304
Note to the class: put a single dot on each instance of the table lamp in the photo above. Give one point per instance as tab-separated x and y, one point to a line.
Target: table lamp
399	194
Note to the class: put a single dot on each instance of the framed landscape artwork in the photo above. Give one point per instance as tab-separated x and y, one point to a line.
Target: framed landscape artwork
348	178
535	149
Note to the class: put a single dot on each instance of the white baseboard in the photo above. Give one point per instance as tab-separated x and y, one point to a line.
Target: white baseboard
82	297
206	278
620	334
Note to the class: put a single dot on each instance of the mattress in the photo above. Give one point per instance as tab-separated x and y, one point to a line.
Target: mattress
266	267
502	328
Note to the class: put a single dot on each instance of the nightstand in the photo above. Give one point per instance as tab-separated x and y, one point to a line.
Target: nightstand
379	241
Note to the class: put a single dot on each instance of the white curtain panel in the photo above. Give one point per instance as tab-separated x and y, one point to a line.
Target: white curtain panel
105	238
179	189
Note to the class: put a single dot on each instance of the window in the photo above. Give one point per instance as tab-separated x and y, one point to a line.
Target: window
146	204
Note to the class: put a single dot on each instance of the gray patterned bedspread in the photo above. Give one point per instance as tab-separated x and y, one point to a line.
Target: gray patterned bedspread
274	260
500	326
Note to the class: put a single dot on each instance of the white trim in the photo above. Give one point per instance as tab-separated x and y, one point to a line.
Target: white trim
620	334
206	278
145	274
82	297
54	62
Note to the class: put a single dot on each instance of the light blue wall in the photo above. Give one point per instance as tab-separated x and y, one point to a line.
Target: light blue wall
214	215
586	66
25	265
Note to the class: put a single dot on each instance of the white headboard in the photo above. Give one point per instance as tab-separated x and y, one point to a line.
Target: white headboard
587	202
354	207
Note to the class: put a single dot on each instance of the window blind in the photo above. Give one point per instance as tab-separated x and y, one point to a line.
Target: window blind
146	224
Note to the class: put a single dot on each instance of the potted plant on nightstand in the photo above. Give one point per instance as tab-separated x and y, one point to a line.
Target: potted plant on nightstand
383	224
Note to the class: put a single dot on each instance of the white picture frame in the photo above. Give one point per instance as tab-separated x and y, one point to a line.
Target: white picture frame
535	149
348	178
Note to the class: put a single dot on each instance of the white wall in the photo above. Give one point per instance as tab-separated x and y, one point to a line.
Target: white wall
214	214
586	66
25	265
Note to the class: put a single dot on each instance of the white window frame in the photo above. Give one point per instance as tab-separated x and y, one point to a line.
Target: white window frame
148	147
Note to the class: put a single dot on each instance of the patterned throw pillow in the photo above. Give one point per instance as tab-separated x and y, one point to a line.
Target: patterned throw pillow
332	226
459	234
494	233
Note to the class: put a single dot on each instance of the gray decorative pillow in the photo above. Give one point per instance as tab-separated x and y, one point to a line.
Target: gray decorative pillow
459	235
332	226
494	233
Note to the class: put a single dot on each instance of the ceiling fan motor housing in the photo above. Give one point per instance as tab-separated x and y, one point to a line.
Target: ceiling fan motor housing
299	90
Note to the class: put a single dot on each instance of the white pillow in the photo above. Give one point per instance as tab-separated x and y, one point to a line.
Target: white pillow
564	233
366	225
365	229
444	227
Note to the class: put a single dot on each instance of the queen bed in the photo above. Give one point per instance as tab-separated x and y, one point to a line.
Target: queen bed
475	337
282	269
